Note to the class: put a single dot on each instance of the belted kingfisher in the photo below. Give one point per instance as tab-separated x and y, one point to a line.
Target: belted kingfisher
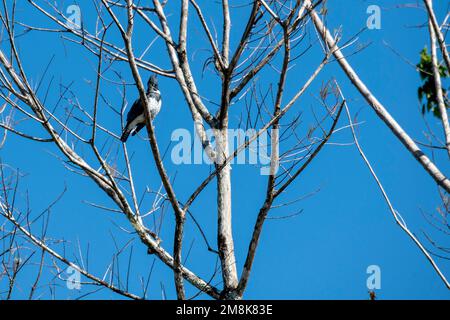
136	115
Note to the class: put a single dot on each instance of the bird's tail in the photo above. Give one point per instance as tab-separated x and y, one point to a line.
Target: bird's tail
125	134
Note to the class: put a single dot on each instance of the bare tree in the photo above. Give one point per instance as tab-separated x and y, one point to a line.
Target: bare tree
276	33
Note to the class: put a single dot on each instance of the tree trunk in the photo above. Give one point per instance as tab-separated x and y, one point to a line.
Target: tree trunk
224	232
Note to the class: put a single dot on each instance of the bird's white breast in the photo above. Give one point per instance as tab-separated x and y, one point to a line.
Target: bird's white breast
154	105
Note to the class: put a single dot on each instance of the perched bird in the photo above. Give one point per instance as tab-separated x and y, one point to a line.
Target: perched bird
136	115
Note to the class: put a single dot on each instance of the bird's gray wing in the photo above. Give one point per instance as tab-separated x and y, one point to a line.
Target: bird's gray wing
135	111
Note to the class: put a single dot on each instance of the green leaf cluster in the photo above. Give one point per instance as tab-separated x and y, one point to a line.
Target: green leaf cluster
427	92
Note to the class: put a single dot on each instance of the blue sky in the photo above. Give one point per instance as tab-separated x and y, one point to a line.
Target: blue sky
322	253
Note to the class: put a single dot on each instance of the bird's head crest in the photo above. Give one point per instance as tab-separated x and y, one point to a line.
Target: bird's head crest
153	82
